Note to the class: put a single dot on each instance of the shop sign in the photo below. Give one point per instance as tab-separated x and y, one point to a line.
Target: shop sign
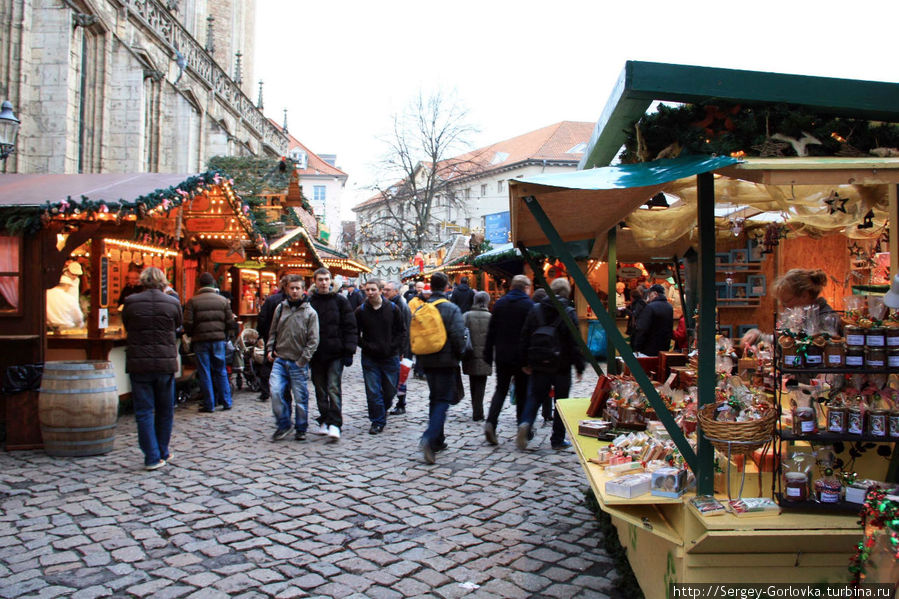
104	282
226	256
251	264
206	224
497	228
629	272
200	203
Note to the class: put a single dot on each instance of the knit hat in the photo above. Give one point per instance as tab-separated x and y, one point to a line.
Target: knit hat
658	289
206	280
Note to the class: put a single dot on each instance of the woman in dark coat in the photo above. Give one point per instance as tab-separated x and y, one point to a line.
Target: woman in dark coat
477	320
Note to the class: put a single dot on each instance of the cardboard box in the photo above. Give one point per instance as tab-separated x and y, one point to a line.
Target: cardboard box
629	485
594	428
669	482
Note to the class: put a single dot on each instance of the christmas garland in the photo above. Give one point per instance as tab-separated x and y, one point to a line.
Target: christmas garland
878	512
765	130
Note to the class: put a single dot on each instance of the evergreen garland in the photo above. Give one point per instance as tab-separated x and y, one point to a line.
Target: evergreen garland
725	129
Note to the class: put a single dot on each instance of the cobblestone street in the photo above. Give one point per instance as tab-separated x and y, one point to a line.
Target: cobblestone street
237	515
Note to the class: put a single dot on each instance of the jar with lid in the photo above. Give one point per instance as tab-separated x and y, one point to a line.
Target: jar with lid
834	354
855	417
814	353
789	356
875	357
855	356
855	335
805	416
827	488
875	337
795	487
837	416
893	422
878	416
891	335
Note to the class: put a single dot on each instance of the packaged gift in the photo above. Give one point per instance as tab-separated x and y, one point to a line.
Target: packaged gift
828	488
797	469
805	414
753	506
856	492
629	485
623	467
856	415
669	482
593	428
837	414
707	505
878	415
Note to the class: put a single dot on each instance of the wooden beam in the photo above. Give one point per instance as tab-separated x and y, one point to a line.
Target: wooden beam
706	377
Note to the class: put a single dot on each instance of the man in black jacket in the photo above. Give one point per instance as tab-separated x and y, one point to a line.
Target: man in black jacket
392	292
442	369
557	376
503	337
263	326
337	340
463	295
151	318
381	335
655	324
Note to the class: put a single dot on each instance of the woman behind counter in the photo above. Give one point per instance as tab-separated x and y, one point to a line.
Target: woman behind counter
802	287
151	318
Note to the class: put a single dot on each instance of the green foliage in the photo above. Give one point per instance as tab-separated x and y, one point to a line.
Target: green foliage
723	129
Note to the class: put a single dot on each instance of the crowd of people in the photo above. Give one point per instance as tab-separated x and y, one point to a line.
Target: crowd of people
314	334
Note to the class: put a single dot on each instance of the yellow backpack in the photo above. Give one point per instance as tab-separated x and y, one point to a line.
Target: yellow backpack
426	332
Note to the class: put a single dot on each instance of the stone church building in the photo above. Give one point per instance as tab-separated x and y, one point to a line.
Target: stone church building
117	86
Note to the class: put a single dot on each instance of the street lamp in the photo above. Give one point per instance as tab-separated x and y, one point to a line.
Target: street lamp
9	129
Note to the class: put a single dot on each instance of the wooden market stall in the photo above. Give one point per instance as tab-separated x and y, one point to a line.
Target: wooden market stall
339	263
667	539
119	223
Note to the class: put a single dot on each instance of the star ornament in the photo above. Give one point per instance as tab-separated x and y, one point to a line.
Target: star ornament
835	203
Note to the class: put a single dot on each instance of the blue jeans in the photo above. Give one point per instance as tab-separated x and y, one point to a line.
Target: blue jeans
538	392
442	394
381	376
212	373
326	380
286	372
153	394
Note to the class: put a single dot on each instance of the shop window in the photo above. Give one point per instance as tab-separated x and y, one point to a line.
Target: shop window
10	275
483	189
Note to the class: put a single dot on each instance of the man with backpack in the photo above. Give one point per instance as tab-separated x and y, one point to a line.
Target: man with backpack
292	341
382	333
337	338
437	335
549	352
463	295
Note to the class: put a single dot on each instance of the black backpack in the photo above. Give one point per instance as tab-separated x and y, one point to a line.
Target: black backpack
545	347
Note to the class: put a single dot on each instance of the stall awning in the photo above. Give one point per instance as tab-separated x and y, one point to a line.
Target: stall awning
584	205
340	263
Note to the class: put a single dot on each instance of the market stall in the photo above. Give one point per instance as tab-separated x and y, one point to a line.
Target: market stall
548	214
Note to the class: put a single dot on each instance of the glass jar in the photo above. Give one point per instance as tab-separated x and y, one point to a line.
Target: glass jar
828	489
875	357
789	357
814	354
855	335
855	356
795	486
855	420
837	417
892	336
893	358
834	354
894	423
877	422
875	337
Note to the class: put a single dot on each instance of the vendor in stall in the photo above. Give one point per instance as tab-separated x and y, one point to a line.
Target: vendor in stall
802	287
132	284
63	309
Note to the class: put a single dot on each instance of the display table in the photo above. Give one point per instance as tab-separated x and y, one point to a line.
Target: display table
668	541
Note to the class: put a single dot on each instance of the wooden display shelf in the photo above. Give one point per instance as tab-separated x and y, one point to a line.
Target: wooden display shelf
735	267
831	437
840	507
752	302
668	541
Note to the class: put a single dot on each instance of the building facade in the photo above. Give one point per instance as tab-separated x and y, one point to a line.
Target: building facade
479	201
131	85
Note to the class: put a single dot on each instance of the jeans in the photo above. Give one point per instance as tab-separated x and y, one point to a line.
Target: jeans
153	394
326	380
212	373
381	376
504	375
284	373
442	394
538	391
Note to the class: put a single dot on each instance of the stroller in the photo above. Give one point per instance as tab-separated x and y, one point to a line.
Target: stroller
252	350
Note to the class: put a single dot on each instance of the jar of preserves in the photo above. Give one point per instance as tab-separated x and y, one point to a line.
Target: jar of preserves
893	423
795	486
875	337
855	335
814	353
855	356
878	416
875	357
828	489
855	419
834	354
892	336
789	356
837	418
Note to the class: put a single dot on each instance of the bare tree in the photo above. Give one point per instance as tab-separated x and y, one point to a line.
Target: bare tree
424	162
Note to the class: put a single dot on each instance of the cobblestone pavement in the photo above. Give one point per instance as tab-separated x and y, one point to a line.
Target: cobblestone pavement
237	515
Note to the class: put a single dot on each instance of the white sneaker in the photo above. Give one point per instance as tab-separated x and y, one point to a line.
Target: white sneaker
334	432
321	430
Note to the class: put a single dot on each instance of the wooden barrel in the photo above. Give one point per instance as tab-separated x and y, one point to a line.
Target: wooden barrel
77	407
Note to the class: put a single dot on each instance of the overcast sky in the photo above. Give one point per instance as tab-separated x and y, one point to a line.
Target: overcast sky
342	68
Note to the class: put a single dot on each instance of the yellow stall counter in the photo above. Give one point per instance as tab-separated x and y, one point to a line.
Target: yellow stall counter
669	541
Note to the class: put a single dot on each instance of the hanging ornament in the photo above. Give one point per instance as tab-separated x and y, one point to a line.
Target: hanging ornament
836	203
736	226
868	221
772	238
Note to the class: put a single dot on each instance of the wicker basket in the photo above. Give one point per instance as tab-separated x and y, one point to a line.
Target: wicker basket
736	437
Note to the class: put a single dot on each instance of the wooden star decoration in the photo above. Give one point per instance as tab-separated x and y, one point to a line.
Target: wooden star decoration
833	202
770	148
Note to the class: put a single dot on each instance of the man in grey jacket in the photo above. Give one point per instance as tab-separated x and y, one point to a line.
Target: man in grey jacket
292	340
442	369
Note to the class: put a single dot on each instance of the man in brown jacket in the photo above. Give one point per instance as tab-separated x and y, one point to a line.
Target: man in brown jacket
208	320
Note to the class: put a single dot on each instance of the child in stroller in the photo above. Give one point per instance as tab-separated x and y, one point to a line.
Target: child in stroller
252	350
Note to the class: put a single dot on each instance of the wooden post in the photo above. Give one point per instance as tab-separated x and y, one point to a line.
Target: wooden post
706	377
611	364
93	318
